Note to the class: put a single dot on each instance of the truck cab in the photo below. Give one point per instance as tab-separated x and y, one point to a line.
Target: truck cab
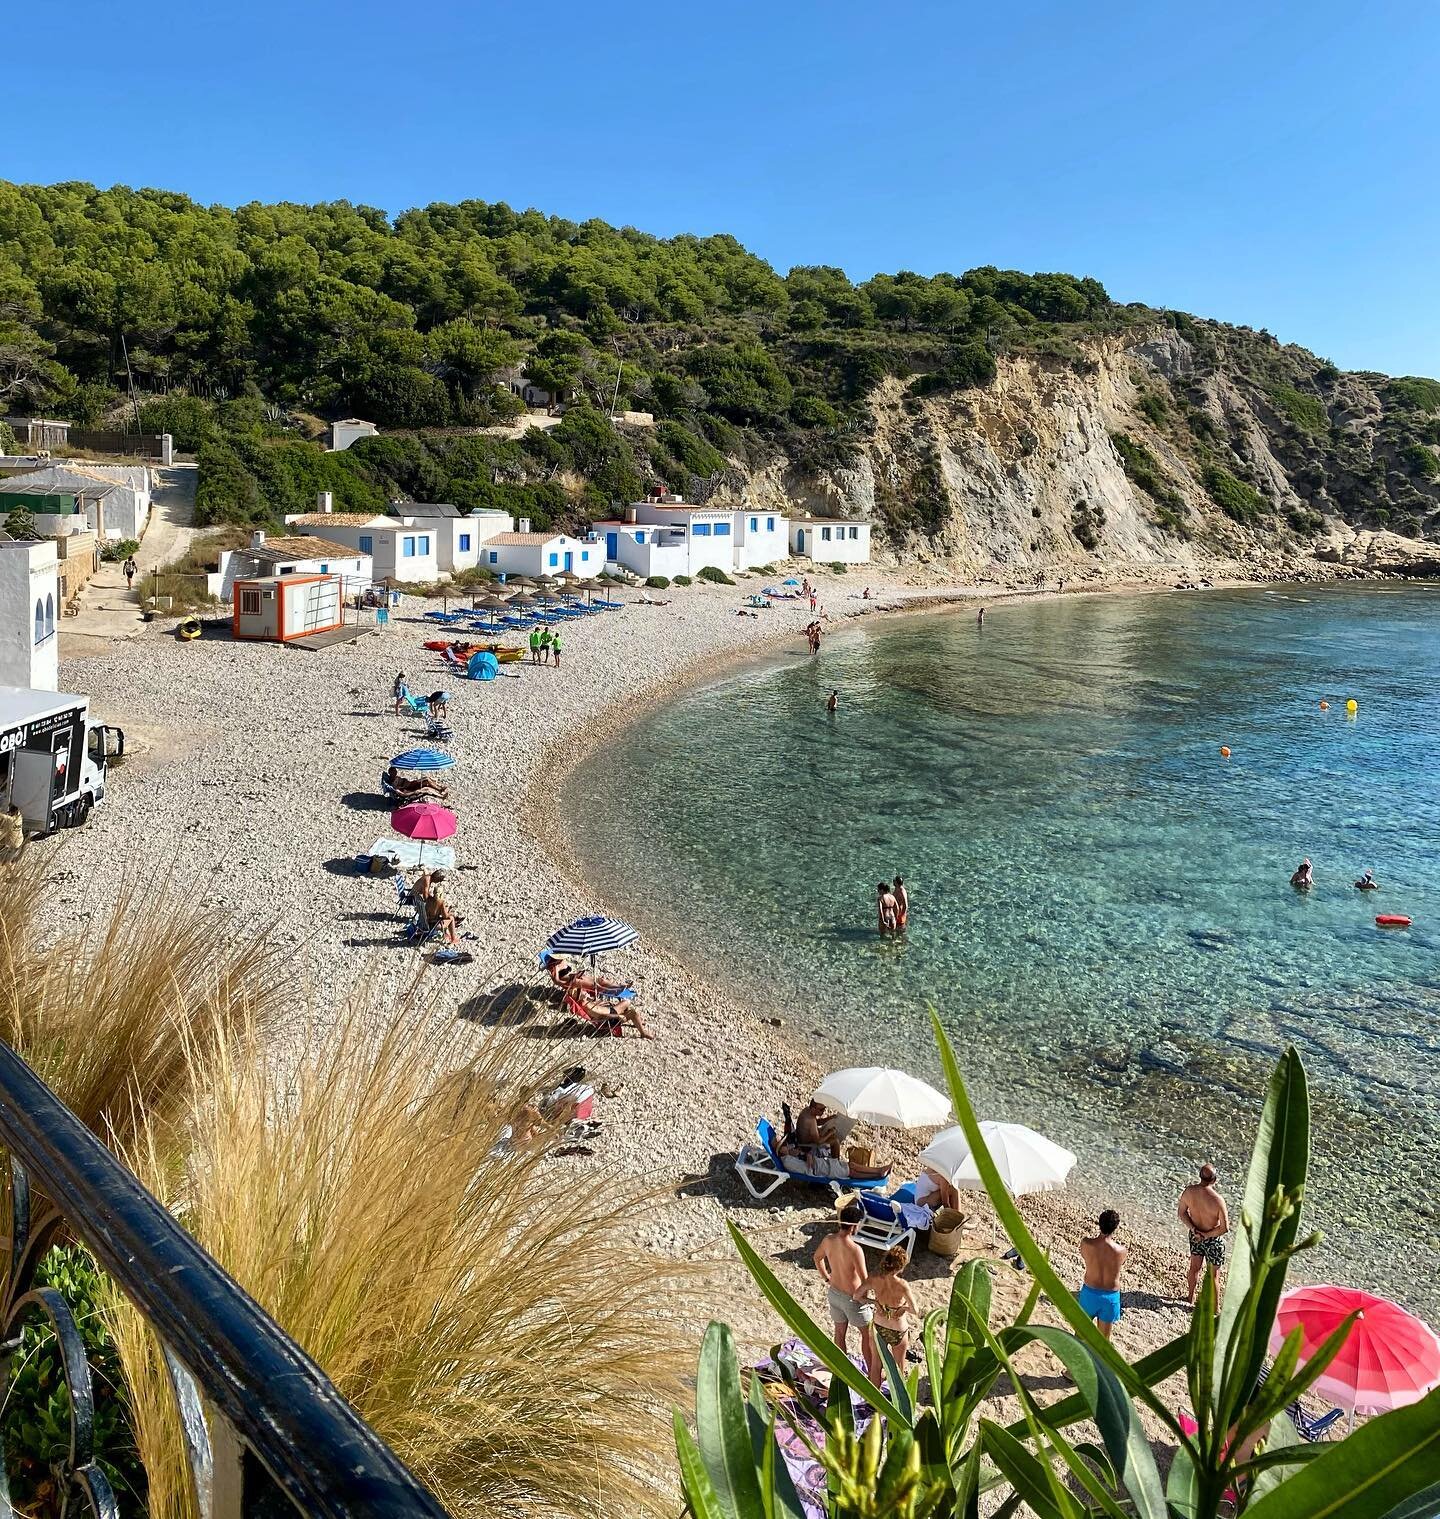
54	760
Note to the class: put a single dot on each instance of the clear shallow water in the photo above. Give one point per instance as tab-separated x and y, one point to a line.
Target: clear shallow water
1100	906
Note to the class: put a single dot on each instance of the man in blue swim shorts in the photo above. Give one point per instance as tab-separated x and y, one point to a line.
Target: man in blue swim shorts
1104	1261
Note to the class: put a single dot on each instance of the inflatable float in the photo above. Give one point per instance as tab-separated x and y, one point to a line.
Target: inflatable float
466	651
188	629
1392	920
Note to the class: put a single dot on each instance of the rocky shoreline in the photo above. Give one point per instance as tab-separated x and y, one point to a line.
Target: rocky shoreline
258	786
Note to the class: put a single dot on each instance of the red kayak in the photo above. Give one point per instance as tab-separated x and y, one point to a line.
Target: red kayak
1392	920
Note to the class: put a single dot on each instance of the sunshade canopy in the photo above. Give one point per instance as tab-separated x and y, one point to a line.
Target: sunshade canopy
879	1095
1027	1161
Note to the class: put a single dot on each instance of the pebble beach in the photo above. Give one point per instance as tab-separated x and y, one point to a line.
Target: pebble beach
252	781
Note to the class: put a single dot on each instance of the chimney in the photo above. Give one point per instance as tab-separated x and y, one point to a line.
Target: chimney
324	501
524	525
257	539
631	515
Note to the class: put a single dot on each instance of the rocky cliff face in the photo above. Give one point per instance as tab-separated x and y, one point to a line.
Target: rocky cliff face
1164	449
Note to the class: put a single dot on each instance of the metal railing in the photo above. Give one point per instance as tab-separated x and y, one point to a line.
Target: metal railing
266	1432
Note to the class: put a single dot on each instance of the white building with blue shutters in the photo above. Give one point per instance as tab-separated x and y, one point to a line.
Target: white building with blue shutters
537	554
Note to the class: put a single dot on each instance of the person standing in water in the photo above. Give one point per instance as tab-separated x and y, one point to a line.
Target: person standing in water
887	909
980	618
1203	1212
902	904
1304	877
1104	1261
832	702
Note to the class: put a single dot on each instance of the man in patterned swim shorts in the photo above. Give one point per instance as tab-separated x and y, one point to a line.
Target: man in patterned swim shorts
1202	1210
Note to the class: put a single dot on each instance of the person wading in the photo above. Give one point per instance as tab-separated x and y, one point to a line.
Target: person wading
1203	1212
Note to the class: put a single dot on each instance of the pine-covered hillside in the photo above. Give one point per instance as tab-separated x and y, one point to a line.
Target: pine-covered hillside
982	417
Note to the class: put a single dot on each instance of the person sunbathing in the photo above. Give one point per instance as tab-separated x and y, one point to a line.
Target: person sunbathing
568	978
600	1010
438	912
800	1161
404	786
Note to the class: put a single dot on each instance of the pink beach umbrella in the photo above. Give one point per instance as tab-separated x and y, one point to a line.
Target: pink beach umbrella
425	821
1389	1359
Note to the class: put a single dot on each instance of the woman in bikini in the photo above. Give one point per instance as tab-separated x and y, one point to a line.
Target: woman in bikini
895	1309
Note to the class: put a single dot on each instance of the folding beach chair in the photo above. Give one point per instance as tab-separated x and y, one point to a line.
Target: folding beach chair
884	1225
1311	1427
761	1170
599	1021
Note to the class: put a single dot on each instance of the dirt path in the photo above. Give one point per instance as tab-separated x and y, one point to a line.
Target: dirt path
107	609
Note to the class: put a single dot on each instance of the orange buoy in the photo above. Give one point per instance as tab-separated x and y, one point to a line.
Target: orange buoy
1224	752
1392	920
1324	706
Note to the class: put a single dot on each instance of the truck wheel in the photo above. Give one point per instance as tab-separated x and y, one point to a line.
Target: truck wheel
80	811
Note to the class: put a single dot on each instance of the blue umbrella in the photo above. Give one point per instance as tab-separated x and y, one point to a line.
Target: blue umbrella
483	666
423	759
791	581
598	935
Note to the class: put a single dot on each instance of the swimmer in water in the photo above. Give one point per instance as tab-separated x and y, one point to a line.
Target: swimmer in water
1304	877
1367	882
832	701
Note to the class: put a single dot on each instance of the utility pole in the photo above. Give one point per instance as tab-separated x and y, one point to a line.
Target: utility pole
130	378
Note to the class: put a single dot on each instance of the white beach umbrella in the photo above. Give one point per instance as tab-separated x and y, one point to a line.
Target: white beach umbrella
879	1095
1027	1161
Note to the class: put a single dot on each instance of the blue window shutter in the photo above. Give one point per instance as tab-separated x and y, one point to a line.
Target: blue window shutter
367	544
494	557
464	543
754	524
324	569
769	524
722	529
425	544
584	553
639	537
554	560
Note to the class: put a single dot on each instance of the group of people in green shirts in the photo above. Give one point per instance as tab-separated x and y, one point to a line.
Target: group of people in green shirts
545	645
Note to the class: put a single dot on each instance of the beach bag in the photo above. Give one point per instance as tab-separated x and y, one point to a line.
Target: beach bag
946	1232
858	1155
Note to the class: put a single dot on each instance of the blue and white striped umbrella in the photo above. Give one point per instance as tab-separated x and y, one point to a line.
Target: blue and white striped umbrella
598	935
423	759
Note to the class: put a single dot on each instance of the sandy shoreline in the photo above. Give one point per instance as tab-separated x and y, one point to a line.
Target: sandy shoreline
258	786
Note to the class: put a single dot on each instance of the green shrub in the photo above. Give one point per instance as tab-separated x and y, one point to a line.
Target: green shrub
189	421
1152	406
116	552
658	582
1085	522
1421	461
1305	411
36	1418
1414	393
836	568
1306	523
714	574
811	411
683	580
8	443
1240	502
1143	469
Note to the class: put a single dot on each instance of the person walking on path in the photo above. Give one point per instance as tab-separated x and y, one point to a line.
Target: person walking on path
131	571
841	1264
1203	1212
1104	1261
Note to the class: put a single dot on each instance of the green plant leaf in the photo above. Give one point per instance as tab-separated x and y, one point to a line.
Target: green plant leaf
1026	1473
1280	1159
700	1496
835	1361
1182	1487
1152	1369
722	1428
1105	1399
895	1378
1382	1466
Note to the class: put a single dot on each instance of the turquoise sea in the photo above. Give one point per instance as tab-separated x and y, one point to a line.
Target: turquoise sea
1100	900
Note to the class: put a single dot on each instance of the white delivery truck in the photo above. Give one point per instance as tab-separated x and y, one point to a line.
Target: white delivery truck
52	757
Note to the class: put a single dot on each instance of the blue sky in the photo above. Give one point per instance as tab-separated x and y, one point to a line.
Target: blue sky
1272	164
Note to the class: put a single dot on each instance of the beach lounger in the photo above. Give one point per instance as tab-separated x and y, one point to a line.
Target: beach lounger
888	1222
1311	1427
761	1170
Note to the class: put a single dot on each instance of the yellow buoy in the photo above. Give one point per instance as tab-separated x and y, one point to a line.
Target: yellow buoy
1324	706
1352	705
1224	752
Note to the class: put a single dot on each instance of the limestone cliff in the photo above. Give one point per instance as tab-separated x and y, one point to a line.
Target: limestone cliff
1159	448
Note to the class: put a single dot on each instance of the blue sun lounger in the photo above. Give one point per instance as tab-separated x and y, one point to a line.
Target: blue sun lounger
761	1170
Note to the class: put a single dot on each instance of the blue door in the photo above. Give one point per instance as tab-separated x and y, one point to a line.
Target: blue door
799	540
612	547
569	561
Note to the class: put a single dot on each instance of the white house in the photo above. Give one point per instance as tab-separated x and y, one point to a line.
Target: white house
668	536
266	558
413	541
350	430
527	553
761	537
830	540
127	508
29	602
112	500
460	537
